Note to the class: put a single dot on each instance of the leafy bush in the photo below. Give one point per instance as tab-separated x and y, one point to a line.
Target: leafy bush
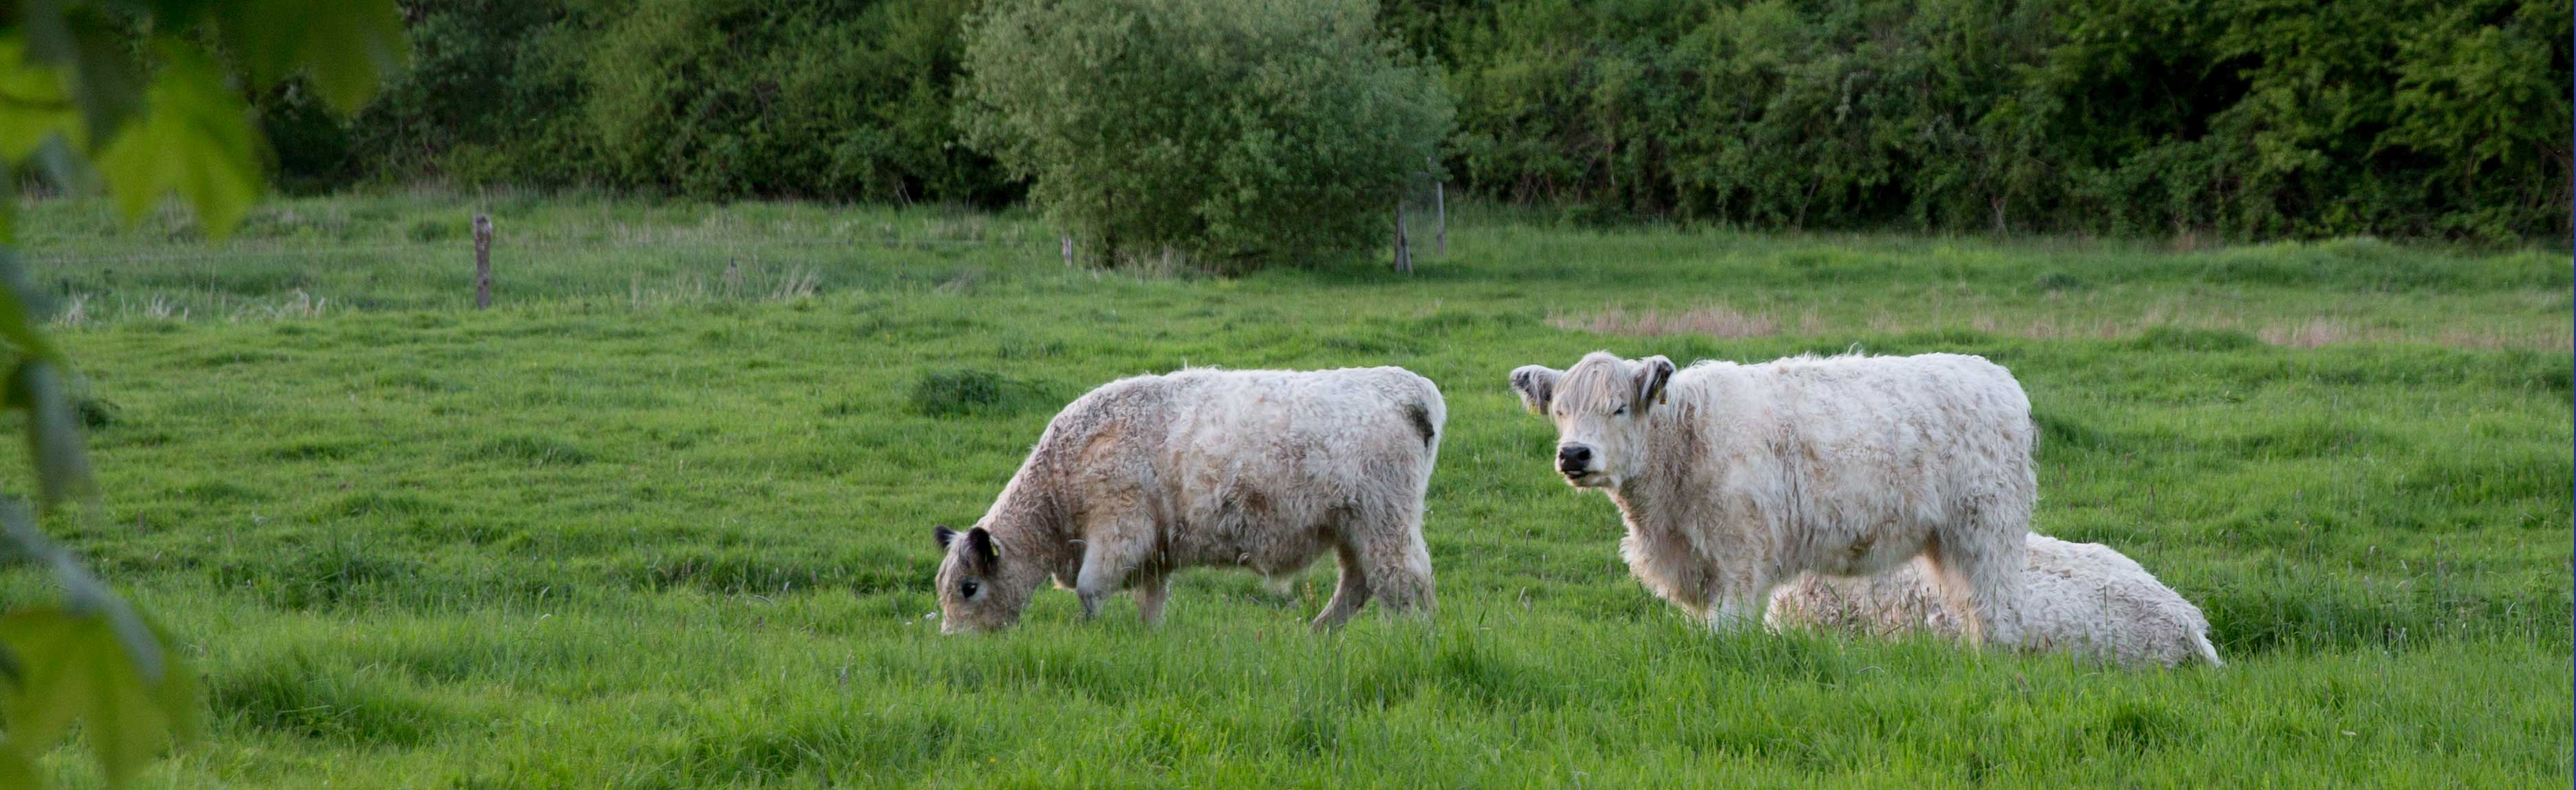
949	393
1235	133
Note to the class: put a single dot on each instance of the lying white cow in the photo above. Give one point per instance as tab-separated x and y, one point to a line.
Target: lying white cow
1258	469
1736	478
2083	598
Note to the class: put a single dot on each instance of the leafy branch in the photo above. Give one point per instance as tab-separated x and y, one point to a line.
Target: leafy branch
146	95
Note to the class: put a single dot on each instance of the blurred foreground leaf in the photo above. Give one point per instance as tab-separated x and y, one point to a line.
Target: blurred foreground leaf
194	139
127	89
72	666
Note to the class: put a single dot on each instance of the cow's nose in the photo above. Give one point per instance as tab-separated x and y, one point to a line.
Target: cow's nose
1573	458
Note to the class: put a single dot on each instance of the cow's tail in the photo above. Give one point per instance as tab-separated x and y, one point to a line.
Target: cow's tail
2207	652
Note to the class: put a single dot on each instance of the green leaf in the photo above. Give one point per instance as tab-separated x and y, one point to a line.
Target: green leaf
91	51
194	139
108	84
347	47
53	433
75	668
52	688
20	301
34	103
16	770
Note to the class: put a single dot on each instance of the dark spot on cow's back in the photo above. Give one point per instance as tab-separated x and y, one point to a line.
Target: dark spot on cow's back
1421	418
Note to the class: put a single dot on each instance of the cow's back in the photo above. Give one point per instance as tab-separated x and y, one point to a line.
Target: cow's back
1259	466
1910	438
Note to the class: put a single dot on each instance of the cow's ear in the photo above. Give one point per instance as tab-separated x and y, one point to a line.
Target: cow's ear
944	535
981	551
1535	384
1652	374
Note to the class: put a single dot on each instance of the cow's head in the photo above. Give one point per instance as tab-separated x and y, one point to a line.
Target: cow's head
1599	407
979	589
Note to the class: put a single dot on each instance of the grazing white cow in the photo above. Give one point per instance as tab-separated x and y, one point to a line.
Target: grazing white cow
2083	598
1258	469
1735	478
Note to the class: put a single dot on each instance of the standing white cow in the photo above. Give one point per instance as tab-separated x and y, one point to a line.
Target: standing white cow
1735	478
1257	469
2083	598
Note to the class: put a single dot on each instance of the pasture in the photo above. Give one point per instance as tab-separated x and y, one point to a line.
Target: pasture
661	518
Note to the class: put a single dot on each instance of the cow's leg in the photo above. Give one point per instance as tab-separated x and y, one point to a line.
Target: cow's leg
1979	572
1739	607
1732	615
1399	566
1108	555
1349	595
1667	566
1150	594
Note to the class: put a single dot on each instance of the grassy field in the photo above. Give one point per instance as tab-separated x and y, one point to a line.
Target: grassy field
648	523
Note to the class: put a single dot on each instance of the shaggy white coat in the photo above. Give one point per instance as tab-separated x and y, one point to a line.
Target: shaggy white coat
2083	598
1736	478
1257	469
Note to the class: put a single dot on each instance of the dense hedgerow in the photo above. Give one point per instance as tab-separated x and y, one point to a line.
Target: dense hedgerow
832	99
1233	133
2238	118
492	96
2247	118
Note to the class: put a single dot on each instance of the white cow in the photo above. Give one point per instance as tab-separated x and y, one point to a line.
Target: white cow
2083	598
1258	469
1736	478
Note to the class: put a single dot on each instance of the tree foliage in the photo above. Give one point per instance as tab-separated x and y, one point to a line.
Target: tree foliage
2244	118
803	98
2240	118
1234	133
829	99
138	97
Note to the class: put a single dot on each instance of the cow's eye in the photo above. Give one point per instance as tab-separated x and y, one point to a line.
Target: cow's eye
1622	411
967	588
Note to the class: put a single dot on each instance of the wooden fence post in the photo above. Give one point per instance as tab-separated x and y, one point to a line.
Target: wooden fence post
1403	257
482	261
1068	252
1440	237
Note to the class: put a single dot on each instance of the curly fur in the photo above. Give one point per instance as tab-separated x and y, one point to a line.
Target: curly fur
1735	478
2083	598
1258	469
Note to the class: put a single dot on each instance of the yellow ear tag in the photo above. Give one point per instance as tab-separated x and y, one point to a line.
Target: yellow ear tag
1663	396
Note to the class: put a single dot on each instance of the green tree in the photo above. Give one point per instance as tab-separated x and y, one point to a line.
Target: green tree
2242	118
137	96
1235	133
804	98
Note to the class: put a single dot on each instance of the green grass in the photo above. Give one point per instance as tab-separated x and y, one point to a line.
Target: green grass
643	525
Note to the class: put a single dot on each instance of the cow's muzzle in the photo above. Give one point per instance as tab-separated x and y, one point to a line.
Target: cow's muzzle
1574	460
